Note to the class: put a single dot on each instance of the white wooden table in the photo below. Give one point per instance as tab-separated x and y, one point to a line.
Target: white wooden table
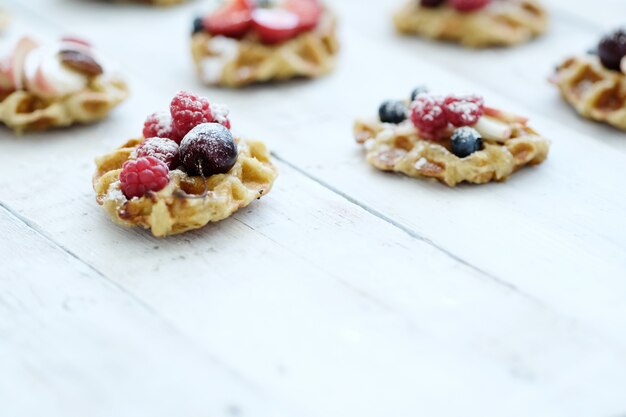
345	292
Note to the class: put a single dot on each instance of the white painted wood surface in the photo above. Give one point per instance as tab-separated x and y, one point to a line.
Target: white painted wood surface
345	292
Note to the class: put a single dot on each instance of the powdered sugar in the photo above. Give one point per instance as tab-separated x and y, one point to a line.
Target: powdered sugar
114	193
220	113
420	163
222	50
163	125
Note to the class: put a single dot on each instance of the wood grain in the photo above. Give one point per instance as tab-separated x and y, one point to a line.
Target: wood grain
345	291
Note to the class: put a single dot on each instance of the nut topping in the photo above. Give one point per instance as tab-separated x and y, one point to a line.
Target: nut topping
81	62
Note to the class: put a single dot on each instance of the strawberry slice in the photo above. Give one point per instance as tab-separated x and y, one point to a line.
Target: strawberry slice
275	25
309	12
75	40
233	19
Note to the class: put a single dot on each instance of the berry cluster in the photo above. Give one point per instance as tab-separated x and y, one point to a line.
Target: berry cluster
432	115
191	137
612	51
272	21
459	5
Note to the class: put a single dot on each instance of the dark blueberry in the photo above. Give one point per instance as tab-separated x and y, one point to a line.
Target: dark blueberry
208	149
466	141
197	25
265	3
392	111
432	3
417	91
612	49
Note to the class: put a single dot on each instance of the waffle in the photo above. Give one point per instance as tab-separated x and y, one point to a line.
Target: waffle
502	23
24	111
186	203
594	91
235	63
399	148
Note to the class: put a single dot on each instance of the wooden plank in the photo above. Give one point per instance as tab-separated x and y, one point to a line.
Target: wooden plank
308	294
72	343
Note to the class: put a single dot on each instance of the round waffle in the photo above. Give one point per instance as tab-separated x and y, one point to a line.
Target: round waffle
501	23
187	202
235	63
595	92
399	148
22	110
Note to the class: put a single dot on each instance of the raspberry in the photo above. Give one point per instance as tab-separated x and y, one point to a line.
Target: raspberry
163	149
142	175
464	110
469	5
188	110
427	113
159	125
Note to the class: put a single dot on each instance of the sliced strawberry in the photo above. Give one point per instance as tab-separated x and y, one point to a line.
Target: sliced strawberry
78	41
275	25
233	19
309	12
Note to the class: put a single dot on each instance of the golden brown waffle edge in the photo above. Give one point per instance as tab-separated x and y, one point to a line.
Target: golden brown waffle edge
186	203
502	23
399	148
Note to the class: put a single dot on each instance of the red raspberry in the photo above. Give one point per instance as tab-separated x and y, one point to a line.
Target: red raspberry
188	110
464	110
142	175
163	149
160	125
427	113
469	5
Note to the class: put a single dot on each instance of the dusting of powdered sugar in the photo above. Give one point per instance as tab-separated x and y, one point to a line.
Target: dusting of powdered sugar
160	148
222	50
420	163
465	108
431	106
220	113
114	193
164	124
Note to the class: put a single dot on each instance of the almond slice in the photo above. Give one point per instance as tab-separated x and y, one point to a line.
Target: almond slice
493	129
81	62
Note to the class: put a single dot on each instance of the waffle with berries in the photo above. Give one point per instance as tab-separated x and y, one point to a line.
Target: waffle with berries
595	83
201	173
452	139
473	23
56	85
243	43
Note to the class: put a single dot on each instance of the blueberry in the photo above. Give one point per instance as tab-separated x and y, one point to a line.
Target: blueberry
208	149
392	111
612	49
417	91
466	141
265	3
432	3
197	25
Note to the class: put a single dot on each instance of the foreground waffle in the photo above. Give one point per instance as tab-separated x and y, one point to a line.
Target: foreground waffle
473	23
186	171
595	83
453	139
57	84
253	41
